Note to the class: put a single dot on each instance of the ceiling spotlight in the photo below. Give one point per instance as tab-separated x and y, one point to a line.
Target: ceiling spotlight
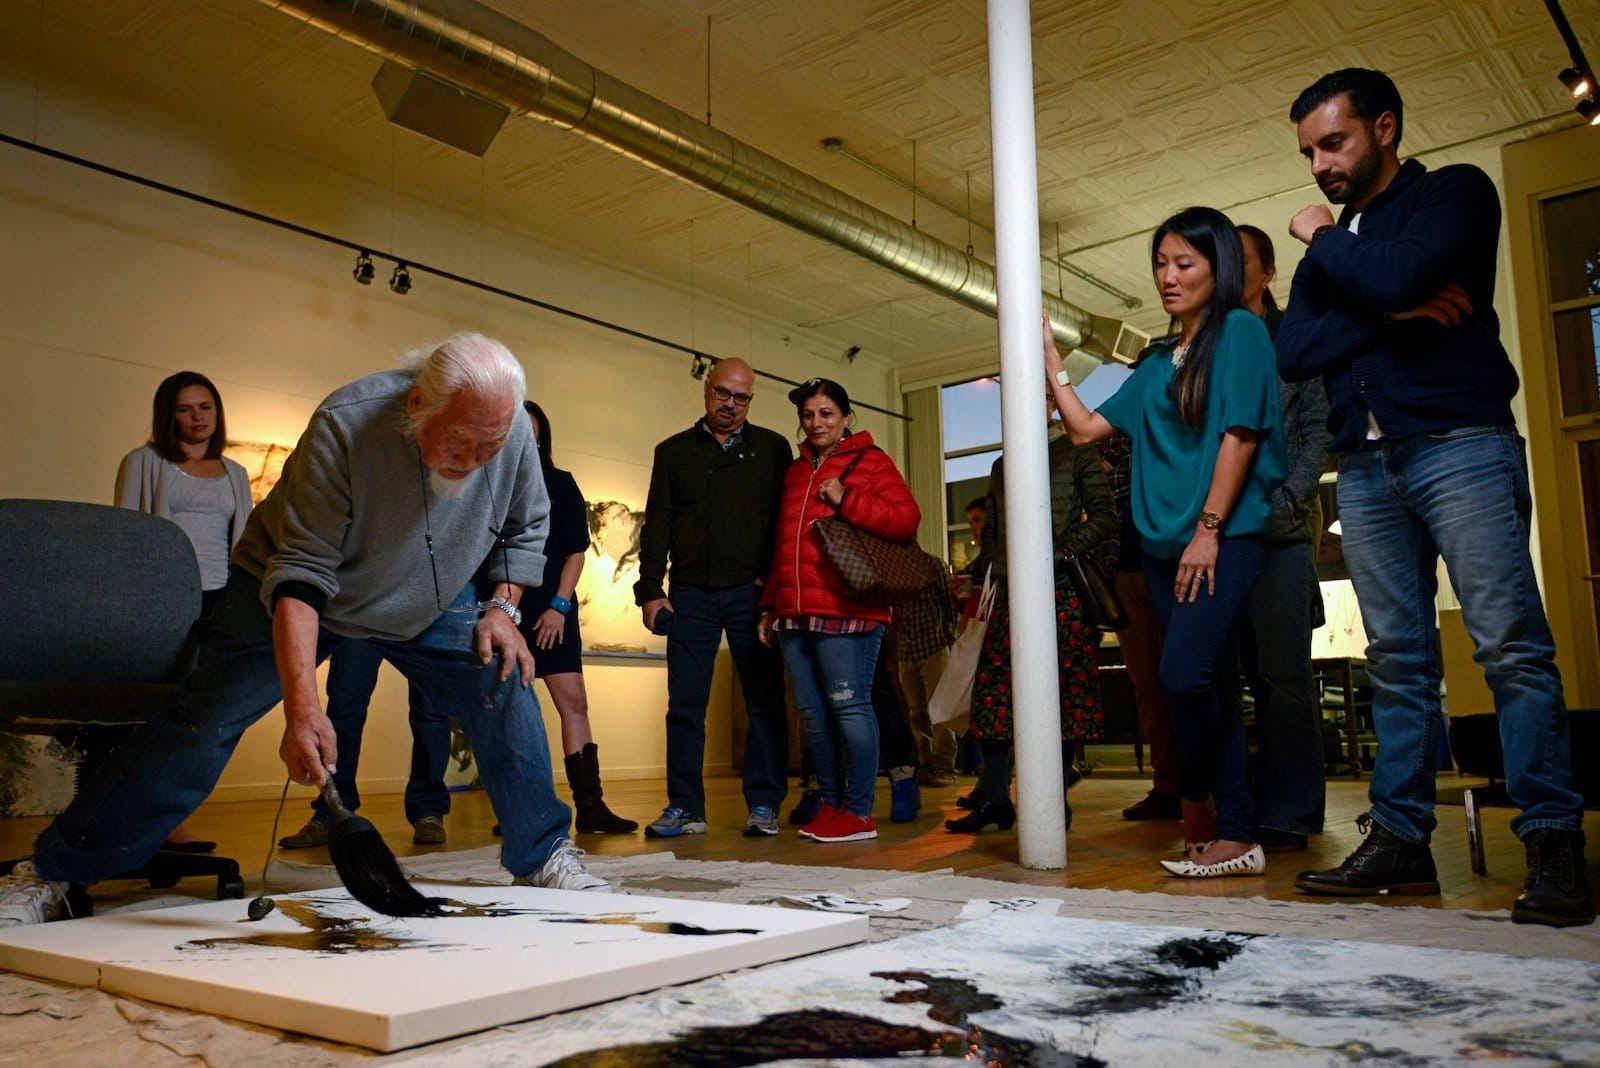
400	281
851	353
1577	82
1590	112
698	369
363	270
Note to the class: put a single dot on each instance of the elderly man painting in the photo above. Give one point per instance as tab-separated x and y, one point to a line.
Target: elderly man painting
410	494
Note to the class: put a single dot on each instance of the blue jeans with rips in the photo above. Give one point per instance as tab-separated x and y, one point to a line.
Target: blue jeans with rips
352	675
1462	495
168	767
1199	642
701	616
831	675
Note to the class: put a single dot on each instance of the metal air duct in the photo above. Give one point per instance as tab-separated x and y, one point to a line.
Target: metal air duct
487	53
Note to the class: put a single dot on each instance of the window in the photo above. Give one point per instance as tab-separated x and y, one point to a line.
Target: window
1572	263
970	415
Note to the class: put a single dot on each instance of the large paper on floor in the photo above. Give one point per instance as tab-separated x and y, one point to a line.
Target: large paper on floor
1031	990
323	965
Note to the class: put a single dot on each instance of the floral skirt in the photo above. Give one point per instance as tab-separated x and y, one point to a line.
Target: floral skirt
1077	659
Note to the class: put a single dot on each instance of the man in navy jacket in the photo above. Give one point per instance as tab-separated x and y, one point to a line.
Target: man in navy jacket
1393	305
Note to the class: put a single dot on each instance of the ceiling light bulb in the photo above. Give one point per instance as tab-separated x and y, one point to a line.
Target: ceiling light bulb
1589	111
1577	82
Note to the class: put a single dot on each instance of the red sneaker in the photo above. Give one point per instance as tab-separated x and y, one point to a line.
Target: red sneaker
846	827
825	816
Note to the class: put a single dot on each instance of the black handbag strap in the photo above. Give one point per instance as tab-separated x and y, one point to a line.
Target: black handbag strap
851	466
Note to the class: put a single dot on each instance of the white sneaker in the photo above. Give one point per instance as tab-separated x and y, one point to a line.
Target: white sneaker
564	871
25	898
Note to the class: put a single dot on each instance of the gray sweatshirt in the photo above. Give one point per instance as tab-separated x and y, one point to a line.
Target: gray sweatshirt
351	514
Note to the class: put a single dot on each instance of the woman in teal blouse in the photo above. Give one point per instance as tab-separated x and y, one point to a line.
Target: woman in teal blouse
1204	419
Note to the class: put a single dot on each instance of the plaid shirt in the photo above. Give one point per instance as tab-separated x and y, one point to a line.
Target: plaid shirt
825	624
926	624
1116	457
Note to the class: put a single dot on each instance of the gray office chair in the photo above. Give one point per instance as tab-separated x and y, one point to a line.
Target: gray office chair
97	614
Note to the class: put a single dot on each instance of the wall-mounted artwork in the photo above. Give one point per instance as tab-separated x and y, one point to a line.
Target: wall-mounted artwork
262	460
322	965
606	612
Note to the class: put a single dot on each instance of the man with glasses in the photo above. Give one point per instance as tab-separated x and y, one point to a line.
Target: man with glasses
410	517
715	489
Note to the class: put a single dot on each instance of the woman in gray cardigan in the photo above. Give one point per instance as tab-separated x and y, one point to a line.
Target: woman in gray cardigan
181	475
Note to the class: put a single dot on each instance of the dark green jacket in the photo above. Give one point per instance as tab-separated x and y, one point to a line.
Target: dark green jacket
1083	511
711	511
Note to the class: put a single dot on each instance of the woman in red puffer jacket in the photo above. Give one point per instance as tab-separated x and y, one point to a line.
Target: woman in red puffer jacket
830	642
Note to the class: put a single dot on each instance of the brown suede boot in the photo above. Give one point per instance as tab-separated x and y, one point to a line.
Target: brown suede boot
583	775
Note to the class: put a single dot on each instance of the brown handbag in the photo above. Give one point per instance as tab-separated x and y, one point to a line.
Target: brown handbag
874	570
1102	608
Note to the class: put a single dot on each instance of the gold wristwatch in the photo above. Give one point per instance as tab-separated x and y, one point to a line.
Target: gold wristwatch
1210	520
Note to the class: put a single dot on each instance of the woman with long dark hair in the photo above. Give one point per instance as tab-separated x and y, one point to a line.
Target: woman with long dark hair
1203	417
550	625
180	474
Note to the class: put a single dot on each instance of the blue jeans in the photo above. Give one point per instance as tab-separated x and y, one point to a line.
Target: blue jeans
352	674
831	675
1462	495
701	616
1199	642
169	765
1290	779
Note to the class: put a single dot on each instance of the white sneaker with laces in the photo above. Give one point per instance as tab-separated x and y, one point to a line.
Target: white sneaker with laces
564	871
27	899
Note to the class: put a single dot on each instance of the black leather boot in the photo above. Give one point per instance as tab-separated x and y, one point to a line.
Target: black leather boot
999	813
1383	864
971	800
583	775
1556	892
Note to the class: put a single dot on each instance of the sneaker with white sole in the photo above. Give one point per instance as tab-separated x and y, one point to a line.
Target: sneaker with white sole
565	871
27	899
845	827
763	822
675	821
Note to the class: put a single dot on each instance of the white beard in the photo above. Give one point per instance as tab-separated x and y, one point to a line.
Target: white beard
446	489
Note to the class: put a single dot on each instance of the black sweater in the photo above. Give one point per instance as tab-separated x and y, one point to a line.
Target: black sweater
1427	229
711	511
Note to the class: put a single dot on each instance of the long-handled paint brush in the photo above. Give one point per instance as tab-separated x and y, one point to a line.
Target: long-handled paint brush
367	866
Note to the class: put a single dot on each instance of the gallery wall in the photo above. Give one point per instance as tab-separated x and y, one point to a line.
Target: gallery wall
109	287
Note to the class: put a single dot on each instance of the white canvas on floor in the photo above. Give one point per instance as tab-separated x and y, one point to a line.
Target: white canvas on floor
1029	990
324	965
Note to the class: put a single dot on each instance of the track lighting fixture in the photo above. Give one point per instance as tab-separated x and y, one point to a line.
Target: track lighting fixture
400	281
363	270
1579	76
698	369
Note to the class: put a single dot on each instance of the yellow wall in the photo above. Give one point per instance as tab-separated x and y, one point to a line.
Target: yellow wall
109	287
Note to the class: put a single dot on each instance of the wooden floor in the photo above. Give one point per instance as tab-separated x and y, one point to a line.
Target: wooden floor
1104	851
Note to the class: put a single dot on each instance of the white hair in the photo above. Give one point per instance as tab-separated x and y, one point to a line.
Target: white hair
465	363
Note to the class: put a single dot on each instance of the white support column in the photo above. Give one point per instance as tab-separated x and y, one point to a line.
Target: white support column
1036	725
